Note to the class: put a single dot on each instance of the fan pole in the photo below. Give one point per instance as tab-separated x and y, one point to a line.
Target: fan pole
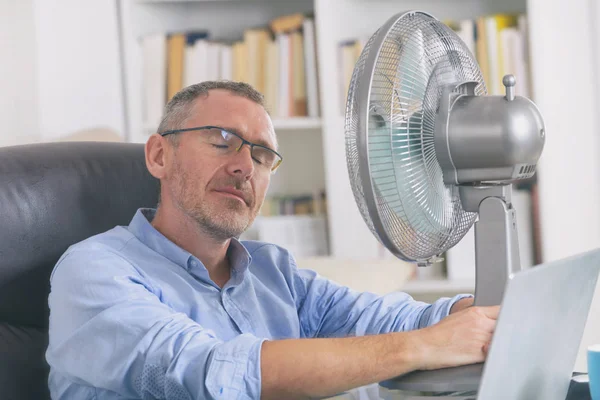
496	240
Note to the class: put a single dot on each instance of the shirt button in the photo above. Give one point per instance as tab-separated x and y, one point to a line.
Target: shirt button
193	263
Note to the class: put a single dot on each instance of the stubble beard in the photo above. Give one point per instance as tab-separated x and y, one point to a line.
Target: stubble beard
220	220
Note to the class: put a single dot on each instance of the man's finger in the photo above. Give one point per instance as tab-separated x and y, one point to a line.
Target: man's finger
491	311
486	348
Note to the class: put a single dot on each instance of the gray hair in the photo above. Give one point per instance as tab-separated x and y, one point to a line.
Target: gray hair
178	109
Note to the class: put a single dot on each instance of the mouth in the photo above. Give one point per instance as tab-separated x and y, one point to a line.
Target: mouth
233	193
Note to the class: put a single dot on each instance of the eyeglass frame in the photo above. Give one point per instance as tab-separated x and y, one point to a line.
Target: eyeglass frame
244	141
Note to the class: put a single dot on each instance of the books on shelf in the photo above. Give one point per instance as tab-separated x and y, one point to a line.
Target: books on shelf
308	204
498	42
278	59
298	223
302	235
348	54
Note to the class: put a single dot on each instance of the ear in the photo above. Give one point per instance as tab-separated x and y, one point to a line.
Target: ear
157	155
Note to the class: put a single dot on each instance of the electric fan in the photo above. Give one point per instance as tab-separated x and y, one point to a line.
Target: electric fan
429	153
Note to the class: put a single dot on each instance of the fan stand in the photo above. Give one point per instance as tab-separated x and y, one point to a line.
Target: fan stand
497	259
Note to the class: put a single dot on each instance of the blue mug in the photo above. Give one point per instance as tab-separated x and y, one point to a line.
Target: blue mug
593	361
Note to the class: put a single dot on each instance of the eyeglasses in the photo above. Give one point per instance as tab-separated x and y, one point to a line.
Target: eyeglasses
225	142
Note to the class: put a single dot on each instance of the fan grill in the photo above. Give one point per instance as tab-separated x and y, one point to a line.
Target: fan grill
352	157
421	216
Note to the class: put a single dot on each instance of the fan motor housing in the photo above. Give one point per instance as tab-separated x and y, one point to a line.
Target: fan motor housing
490	139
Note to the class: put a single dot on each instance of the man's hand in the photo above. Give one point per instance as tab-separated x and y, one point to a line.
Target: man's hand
462	304
459	339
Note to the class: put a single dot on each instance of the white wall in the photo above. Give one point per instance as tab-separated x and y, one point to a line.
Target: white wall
18	97
78	66
565	83
60	71
591	334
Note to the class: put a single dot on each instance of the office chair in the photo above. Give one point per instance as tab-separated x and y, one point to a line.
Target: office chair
53	195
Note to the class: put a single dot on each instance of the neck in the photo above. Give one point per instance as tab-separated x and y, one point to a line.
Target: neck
182	230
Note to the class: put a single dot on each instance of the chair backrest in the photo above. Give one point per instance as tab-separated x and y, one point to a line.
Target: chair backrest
53	195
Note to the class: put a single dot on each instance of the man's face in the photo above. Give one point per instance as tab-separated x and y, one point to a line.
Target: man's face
222	193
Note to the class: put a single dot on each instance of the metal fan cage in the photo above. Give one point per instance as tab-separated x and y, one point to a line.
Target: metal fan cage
391	110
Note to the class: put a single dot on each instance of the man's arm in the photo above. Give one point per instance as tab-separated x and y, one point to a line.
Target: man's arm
301	368
109	330
327	309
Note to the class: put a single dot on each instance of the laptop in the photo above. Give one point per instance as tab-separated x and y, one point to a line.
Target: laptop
536	341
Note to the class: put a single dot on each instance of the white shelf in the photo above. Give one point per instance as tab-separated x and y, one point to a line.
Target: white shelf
280	125
438	286
382	276
298	123
322	156
181	1
378	276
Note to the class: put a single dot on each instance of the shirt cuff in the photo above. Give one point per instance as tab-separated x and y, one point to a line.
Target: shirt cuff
439	310
235	369
453	301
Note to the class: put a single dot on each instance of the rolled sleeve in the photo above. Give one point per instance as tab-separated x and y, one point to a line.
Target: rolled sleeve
327	309
235	369
440	309
110	330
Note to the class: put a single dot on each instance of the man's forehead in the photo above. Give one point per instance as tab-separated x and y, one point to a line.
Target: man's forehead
264	137
237	114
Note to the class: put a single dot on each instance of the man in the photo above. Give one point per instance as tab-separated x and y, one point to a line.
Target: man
174	306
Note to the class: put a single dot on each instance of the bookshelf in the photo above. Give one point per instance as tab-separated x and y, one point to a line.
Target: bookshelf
314	148
281	125
417	287
297	124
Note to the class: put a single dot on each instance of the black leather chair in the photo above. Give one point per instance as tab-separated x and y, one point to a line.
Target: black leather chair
51	196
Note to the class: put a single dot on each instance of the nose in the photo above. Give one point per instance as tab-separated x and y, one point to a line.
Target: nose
241	163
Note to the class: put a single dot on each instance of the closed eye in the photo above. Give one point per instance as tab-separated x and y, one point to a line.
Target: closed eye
221	146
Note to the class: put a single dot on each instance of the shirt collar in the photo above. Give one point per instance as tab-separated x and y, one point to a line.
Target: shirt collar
141	227
239	258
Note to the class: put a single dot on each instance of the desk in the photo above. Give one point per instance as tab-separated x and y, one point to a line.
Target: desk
577	391
377	392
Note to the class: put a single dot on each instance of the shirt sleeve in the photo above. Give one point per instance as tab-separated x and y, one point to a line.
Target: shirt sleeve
109	329
327	309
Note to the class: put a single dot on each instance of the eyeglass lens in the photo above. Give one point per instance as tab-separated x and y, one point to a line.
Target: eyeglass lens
228	142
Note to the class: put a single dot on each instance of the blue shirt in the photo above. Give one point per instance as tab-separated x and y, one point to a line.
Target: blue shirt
132	315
